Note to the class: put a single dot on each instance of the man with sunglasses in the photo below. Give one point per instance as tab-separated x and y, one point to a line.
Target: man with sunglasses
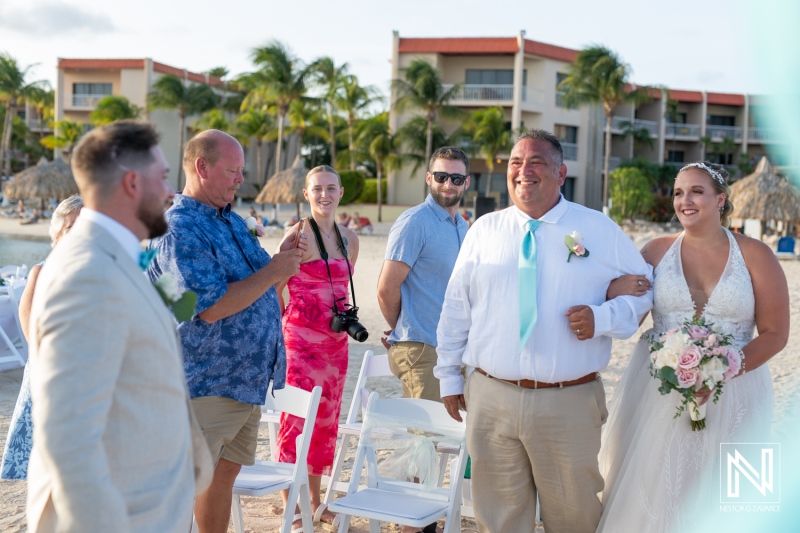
422	249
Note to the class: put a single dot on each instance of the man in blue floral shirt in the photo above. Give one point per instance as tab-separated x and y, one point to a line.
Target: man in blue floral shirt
233	346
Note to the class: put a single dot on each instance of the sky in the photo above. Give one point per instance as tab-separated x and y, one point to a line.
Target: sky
681	44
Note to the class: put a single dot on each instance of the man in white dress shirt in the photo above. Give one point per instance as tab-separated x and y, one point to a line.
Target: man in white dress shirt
536	407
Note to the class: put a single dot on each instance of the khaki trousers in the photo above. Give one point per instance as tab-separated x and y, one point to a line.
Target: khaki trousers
525	441
412	363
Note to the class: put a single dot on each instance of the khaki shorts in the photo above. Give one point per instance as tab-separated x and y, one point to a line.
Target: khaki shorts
412	363
230	428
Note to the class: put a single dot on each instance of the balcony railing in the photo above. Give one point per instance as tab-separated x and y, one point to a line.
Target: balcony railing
621	124
763	135
87	100
570	151
613	162
717	133
682	131
618	124
483	92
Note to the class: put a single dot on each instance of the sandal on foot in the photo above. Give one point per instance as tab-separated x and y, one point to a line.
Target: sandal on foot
330	526
295	518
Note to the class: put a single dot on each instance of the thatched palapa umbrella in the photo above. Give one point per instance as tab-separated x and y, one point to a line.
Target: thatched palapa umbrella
286	186
47	179
247	191
764	195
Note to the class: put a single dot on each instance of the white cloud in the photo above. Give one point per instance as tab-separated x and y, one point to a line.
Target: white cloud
53	18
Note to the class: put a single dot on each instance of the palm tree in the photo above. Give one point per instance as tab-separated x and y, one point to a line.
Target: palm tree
599	77
280	80
256	124
113	108
422	90
14	88
329	77
489	136
413	137
305	119
377	141
43	100
67	133
354	100
169	92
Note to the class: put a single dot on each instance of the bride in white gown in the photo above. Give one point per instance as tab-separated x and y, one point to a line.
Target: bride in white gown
659	474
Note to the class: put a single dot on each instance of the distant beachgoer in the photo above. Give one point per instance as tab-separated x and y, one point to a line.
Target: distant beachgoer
20	432
33	219
355	223
20	209
344	219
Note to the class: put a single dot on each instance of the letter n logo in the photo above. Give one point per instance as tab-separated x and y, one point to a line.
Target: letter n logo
748	473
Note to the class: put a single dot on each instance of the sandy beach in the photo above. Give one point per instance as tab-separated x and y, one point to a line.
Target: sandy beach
264	514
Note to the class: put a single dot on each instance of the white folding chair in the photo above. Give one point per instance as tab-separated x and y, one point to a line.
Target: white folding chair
8	271
16	352
267	477
403	502
15	291
371	366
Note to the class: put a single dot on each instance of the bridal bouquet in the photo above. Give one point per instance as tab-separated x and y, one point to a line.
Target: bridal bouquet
695	358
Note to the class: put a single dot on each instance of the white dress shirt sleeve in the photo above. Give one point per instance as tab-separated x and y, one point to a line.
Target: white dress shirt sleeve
619	318
456	319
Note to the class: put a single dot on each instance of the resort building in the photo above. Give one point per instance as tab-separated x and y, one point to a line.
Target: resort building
82	83
522	76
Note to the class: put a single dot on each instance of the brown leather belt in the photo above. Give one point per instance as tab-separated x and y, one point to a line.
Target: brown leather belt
533	384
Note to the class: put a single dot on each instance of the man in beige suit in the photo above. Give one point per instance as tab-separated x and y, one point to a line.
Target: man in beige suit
112	442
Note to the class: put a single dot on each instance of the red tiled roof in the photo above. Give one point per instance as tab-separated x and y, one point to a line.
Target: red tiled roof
551	51
459	45
726	99
117	64
100	63
685	96
483	46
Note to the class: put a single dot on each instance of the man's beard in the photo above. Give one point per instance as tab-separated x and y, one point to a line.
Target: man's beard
153	219
445	201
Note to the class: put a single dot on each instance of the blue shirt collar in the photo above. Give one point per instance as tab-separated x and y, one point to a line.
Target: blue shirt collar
202	208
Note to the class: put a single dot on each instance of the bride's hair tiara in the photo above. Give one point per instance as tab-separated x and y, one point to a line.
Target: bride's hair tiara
707	169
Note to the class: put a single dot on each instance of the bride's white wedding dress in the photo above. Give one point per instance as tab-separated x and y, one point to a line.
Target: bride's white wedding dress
659	474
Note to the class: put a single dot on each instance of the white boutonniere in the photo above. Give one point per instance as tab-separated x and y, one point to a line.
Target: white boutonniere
574	242
182	302
256	229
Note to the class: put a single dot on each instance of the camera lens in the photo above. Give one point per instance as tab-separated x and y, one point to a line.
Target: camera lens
357	331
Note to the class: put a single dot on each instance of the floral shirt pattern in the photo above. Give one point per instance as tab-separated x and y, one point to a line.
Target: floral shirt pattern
206	249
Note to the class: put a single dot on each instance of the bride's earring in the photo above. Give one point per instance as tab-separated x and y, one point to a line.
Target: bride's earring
721	209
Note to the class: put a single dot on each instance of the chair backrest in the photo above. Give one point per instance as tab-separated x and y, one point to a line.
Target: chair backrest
297	402
15	293
8	271
786	245
371	366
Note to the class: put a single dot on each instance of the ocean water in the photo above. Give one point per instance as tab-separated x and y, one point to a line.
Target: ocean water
23	251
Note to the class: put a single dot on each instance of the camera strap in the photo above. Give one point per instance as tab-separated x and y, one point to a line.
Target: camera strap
324	254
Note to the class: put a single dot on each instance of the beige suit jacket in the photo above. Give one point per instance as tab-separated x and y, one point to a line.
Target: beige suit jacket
112	448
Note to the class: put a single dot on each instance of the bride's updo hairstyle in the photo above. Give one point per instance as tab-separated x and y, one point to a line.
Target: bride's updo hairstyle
719	178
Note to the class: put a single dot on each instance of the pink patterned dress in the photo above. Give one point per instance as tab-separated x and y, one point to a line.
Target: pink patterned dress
315	355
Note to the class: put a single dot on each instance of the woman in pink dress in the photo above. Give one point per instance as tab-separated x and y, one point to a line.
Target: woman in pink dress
315	354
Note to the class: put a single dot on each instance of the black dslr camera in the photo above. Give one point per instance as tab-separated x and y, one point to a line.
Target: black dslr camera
347	320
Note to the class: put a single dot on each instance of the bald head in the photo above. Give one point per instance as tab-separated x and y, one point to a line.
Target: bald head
207	145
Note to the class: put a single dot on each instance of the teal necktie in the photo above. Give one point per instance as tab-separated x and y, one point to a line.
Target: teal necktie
527	283
146	257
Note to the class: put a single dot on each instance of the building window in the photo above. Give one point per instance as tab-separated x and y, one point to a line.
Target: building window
103	89
493	77
568	189
560	76
675	156
568	135
718	120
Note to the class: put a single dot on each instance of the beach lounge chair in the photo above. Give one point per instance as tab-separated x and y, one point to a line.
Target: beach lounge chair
786	248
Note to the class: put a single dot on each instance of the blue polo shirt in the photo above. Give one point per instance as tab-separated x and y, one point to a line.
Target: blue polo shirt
206	249
427	239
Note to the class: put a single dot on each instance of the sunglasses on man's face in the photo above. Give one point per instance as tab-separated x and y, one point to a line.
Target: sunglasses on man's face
457	179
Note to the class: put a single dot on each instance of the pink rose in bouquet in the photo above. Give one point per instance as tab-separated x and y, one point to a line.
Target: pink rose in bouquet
690	358
687	377
734	362
697	332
